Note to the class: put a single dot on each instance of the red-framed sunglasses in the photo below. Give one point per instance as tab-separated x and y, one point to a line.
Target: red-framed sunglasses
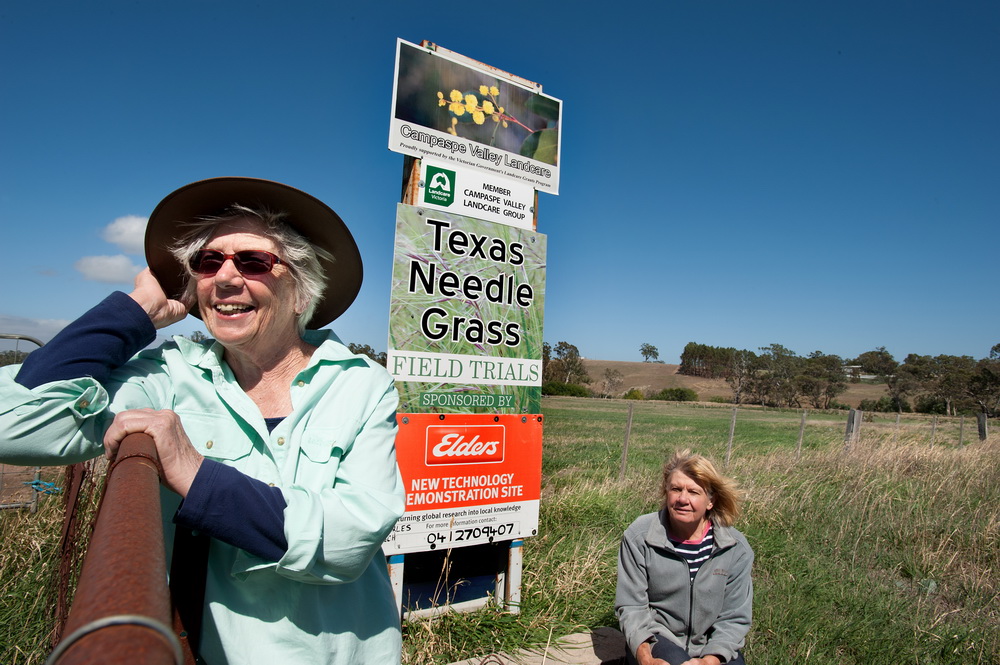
248	262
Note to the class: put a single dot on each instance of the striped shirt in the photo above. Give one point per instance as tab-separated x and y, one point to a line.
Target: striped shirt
696	552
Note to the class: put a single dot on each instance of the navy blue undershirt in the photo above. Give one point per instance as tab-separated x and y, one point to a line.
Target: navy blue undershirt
222	502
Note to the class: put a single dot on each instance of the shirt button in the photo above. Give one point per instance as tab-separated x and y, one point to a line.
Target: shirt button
300	383
83	404
281	440
209	444
270	484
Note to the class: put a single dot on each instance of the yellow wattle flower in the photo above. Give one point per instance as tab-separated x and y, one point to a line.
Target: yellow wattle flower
494	90
470	100
483	90
478	117
455	96
488	107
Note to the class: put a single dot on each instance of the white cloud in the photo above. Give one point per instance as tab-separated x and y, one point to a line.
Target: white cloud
117	269
127	232
41	329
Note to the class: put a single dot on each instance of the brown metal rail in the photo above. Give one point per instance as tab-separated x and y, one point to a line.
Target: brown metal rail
121	611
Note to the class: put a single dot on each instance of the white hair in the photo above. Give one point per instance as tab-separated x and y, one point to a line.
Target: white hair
294	249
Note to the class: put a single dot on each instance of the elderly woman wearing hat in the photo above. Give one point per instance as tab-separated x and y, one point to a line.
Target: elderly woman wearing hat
684	591
276	442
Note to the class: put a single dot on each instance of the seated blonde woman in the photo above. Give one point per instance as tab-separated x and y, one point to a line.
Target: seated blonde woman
684	591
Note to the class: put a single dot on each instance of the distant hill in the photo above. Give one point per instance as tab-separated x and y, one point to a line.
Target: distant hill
654	377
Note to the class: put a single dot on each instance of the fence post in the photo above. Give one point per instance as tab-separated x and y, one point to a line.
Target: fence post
853	430
628	432
802	431
983	425
732	431
933	430
961	432
121	612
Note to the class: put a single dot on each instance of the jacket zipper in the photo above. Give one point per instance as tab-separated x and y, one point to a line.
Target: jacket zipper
687	639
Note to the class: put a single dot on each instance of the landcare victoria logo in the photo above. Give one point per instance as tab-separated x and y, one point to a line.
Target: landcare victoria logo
439	187
465	444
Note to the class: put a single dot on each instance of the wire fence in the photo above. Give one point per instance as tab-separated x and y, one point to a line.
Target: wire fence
734	430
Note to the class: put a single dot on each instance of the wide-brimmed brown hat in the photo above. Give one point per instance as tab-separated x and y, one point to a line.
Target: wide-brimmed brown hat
304	213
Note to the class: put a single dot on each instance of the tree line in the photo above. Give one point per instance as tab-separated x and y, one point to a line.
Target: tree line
777	376
11	357
563	372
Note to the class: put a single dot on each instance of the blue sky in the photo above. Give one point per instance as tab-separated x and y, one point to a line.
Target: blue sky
821	175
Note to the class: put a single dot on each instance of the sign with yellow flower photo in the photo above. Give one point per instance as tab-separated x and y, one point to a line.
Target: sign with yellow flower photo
467	114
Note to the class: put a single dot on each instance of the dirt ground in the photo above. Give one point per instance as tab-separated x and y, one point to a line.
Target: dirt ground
12	487
657	376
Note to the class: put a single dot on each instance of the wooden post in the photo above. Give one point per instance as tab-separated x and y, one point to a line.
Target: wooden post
628	432
961	432
512	580
983	425
732	431
411	181
853	430
895	433
395	563
933	430
802	431
848	430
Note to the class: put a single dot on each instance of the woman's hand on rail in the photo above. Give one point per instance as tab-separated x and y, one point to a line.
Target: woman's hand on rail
178	458
162	310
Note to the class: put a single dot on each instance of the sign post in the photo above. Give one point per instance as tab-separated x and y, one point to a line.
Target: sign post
465	325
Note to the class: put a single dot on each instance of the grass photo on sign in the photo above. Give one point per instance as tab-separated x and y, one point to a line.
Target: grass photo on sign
487	323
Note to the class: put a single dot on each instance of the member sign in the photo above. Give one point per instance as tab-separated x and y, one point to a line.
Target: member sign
470	192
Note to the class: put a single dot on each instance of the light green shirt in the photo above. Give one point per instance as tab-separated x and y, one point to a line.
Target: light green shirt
328	600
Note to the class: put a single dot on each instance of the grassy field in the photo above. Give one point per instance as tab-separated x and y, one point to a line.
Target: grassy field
654	377
888	552
28	559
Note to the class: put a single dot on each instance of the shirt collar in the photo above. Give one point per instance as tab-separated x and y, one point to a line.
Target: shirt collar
208	354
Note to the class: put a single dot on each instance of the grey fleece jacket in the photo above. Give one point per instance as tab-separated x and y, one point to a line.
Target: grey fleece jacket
656	599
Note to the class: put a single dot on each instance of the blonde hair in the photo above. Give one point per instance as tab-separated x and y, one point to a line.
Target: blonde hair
723	492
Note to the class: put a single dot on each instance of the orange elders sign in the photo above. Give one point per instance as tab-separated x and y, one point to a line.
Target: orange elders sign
470	479
460	444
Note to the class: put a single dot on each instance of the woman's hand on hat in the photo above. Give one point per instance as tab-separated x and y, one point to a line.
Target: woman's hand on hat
162	310
178	458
